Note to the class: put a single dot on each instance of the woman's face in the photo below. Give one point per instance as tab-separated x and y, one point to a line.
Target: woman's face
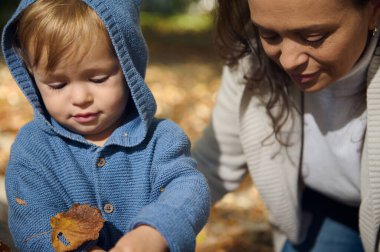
315	42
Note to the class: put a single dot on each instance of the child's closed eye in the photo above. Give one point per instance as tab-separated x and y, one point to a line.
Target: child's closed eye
57	85
99	79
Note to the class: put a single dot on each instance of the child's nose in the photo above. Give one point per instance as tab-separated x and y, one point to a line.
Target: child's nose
81	95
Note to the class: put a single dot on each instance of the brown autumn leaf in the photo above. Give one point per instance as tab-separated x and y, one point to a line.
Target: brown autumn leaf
4	247
81	223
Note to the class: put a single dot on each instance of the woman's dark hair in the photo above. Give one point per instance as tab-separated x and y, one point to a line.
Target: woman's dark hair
237	38
360	3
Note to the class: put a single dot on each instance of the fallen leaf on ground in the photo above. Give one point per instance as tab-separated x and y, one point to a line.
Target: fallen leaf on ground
81	223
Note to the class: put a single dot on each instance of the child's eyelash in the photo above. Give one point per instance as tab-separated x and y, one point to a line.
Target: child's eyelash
99	80
57	86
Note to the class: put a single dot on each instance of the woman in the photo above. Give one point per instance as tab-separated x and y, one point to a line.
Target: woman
298	109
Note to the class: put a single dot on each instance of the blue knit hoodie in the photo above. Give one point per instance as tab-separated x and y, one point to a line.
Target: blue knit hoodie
142	175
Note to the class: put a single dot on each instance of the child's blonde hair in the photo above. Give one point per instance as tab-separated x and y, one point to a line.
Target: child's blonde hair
58	28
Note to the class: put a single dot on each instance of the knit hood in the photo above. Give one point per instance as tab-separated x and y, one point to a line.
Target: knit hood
121	19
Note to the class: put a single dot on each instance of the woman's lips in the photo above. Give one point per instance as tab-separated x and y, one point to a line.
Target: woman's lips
304	78
85	117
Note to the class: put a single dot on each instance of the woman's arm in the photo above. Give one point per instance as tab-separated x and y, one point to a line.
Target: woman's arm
218	152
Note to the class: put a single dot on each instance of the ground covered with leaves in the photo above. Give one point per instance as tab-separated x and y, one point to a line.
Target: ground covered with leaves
183	73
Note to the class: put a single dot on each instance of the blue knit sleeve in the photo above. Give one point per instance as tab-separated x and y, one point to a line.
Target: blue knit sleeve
32	201
31	204
180	195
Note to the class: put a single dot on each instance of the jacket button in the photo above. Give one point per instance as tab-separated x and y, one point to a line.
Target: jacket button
101	162
108	208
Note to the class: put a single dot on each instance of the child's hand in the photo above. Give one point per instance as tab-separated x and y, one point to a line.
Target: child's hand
142	239
96	249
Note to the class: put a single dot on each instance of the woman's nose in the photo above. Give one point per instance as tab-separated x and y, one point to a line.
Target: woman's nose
292	55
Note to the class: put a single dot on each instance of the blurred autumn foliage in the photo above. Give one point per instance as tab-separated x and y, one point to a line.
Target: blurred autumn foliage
183	73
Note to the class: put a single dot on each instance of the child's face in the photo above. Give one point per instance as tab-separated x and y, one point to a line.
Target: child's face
86	93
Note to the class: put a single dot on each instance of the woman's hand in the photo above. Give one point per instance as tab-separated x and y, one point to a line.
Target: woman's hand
142	239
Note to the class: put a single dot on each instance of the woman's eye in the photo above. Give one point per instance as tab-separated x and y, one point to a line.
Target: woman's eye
314	38
269	36
99	79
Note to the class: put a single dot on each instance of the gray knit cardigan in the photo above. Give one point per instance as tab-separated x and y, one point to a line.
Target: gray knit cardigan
238	140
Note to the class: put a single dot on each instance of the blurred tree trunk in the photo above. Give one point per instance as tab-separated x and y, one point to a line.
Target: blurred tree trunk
166	6
178	6
7	7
